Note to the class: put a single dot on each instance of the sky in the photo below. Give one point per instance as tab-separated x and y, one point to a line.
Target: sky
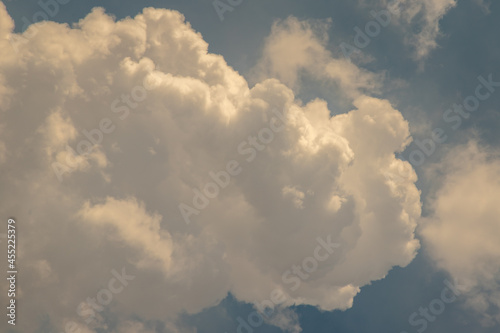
250	166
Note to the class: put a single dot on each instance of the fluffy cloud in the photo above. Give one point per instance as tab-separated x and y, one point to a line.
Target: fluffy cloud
462	234
135	118
300	47
420	21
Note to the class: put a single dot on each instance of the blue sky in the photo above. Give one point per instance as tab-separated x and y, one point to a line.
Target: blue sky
420	87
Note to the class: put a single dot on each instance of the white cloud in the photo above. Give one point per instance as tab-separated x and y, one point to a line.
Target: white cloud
287	320
133	327
296	47
135	227
420	21
463	231
484	5
318	176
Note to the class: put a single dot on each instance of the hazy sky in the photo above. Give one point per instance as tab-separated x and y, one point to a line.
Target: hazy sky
251	166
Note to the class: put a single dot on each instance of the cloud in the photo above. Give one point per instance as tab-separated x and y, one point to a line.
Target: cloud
463	230
484	5
295	48
98	96
419	21
135	227
287	320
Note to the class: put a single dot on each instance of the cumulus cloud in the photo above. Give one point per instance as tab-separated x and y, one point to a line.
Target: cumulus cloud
286	319
420	21
135	227
296	48
85	106
463	230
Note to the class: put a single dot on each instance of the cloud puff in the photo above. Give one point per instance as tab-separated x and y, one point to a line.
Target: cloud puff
484	5
463	231
420	21
297	47
263	175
